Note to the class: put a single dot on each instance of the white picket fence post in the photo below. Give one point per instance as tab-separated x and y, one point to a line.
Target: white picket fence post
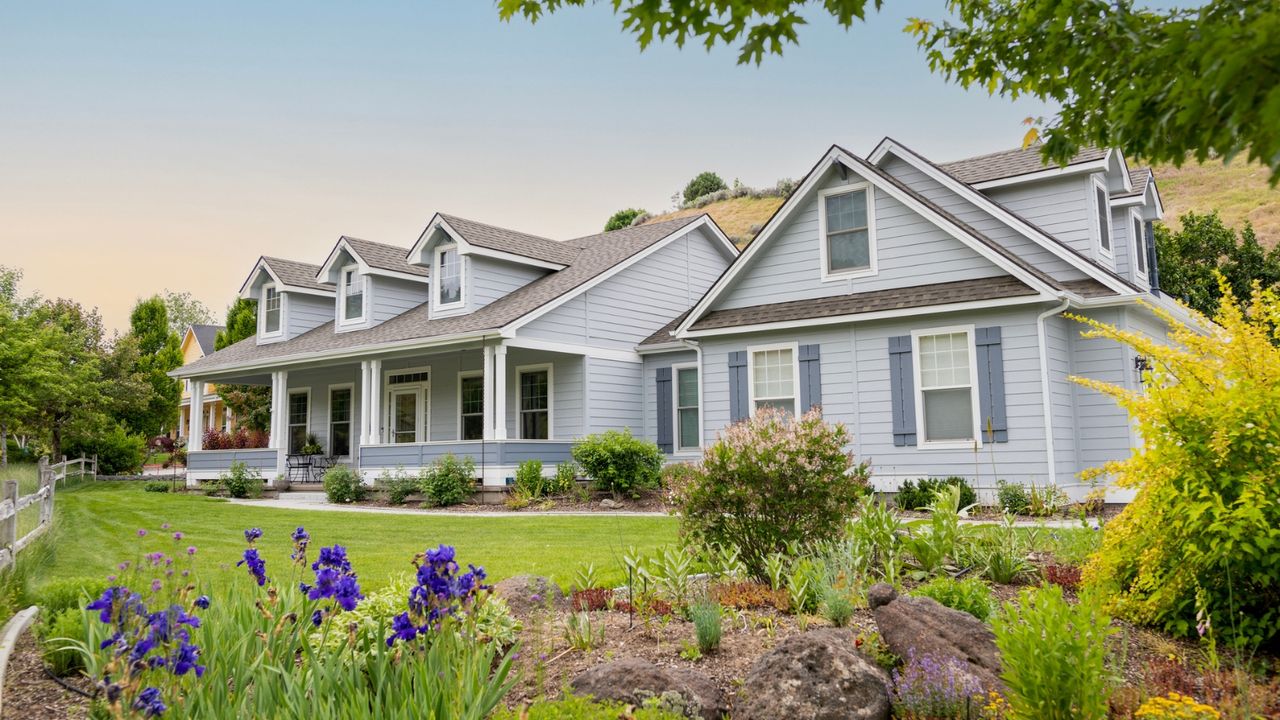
11	504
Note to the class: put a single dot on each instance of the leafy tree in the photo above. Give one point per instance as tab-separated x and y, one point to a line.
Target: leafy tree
1191	258
158	352
185	311
72	397
26	363
250	403
1158	83
704	184
623	219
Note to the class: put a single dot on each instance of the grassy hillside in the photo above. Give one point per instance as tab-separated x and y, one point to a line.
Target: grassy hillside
1238	192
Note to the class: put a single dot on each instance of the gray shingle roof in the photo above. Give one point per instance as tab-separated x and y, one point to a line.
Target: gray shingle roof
298	274
383	256
205	336
1011	163
512	241
1138	177
865	302
596	255
663	334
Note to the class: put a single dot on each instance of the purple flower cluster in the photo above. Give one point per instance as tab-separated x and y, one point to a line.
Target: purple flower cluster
440	592
301	538
257	566
149	703
932	687
334	580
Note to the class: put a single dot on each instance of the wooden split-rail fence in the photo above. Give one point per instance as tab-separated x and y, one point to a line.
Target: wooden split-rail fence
50	475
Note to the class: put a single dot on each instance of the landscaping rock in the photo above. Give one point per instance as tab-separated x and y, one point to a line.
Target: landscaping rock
925	627
634	681
524	593
815	675
610	504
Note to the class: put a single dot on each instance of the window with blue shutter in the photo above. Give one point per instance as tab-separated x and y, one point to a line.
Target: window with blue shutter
810	377
991	400
738	402
902	390
663	404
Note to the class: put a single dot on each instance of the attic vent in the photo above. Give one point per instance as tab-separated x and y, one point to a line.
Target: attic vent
407	378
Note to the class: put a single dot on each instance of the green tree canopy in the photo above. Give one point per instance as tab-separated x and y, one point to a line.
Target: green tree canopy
622	219
704	183
185	311
250	403
158	351
1204	246
1158	83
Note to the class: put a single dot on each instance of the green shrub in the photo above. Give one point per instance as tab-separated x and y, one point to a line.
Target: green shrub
1012	498
918	494
703	184
155	486
1054	655
449	480
399	485
705	614
970	595
565	480
836	606
344	485
529	481
239	481
770	481
56	635
58	595
618	462
622	219
119	453
583	708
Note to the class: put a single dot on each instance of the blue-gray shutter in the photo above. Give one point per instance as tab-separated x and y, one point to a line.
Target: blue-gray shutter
1153	267
902	386
738	386
991	402
810	377
665	431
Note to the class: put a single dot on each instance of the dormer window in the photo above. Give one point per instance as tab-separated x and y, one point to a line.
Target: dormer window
351	294
1102	207
447	275
846	228
270	310
1137	232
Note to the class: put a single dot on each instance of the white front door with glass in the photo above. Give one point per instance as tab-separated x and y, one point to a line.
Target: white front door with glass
407	405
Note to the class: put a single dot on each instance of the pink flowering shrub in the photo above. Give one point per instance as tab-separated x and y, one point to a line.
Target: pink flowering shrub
772	480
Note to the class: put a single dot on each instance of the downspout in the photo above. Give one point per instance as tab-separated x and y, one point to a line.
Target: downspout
1045	390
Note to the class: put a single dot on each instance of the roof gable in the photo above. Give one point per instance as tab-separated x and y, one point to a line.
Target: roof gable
492	241
374	258
288	275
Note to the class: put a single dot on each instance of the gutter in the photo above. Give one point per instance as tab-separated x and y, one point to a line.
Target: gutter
1045	390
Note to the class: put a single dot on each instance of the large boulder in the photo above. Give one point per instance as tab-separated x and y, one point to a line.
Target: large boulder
634	681
923	626
815	675
524	593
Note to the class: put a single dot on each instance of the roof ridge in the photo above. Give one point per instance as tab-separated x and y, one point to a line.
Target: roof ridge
448	216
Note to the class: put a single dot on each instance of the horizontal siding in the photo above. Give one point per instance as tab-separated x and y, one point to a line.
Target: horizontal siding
566	391
617	401
1103	427
494	279
261	459
318	381
1062	207
1059	332
393	296
789	267
306	312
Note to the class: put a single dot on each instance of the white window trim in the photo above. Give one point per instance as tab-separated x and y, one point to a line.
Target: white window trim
288	425
363	280
262	312
463	375
828	275
676	448
1138	242
1098	183
352	429
922	440
435	273
551	399
794	347
422	433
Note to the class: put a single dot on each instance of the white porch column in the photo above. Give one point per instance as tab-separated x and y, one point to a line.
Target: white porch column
195	427
182	422
365	421
280	418
500	392
488	392
375	402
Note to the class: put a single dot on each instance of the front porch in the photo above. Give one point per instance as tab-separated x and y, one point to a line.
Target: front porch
497	404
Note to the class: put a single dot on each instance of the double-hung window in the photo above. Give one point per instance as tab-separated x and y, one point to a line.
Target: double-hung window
1137	231
448	276
535	403
846	220
270	310
352	294
1102	206
299	410
340	421
688	425
773	378
946	398
471	407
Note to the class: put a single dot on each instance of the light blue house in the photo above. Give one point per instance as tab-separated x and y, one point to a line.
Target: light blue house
920	304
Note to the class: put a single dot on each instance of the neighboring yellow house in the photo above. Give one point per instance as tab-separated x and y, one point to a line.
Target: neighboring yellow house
196	343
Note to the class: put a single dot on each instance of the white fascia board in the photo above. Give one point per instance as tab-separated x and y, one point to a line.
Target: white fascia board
1077	169
573	349
322	275
261	266
663	347
1000	213
466	248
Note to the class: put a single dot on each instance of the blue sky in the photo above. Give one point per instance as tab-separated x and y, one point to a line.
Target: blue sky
146	145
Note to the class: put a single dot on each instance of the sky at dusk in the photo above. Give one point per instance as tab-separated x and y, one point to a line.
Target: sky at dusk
153	145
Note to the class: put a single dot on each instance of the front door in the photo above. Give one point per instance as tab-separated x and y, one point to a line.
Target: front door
405	419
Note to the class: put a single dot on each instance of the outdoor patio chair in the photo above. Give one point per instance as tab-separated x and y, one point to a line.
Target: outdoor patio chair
300	465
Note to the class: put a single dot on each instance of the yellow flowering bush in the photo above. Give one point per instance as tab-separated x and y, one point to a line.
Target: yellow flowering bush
1175	707
1202	536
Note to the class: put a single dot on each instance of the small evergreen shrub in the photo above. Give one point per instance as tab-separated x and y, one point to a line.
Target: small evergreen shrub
622	219
1012	498
343	485
241	482
919	494
529	481
449	480
619	462
772	481
970	595
155	486
399	485
704	183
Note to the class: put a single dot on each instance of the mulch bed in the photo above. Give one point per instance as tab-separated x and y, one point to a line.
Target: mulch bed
30	694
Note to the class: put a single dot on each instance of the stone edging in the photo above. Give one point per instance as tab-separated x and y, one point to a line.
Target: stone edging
12	631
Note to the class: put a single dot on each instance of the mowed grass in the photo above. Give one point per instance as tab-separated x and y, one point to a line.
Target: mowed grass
97	527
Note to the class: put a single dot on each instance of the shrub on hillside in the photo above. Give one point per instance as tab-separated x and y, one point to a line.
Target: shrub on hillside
343	485
704	184
1202	532
622	219
770	481
119	453
918	494
618	462
449	480
241	482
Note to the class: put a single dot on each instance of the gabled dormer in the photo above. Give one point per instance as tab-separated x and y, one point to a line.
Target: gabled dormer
474	264
1135	210
290	299
373	283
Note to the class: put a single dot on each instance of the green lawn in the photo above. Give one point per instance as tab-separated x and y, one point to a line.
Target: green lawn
97	526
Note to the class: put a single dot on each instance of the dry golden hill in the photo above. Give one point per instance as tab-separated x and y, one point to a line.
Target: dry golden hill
1237	191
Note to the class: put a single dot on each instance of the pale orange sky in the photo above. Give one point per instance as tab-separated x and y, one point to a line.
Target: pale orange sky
148	145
